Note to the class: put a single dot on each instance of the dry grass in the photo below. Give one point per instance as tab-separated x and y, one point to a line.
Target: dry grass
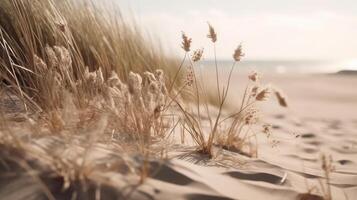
108	87
324	183
82	73
328	168
125	119
232	132
107	41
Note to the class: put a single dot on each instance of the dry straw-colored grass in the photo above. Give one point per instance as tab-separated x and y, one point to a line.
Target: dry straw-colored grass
95	34
90	78
232	132
83	70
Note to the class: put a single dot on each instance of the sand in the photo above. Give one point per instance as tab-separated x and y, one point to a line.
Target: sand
321	119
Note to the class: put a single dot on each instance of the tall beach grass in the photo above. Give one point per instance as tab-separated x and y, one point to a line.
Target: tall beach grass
94	79
95	34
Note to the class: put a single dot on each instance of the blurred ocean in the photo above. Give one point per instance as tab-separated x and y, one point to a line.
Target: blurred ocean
286	66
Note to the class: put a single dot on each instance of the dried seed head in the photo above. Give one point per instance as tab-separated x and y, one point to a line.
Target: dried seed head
263	95
135	82
197	55
186	42
149	78
267	129
251	117
326	163
212	33
189	77
281	98
114	80
254	91
40	65
64	58
238	54
159	74
100	77
51	56
254	76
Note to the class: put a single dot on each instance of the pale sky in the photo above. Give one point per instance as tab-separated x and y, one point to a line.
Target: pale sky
268	29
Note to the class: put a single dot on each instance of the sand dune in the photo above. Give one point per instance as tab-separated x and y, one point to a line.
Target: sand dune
321	119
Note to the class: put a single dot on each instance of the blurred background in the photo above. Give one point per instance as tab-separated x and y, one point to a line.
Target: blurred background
300	36
289	42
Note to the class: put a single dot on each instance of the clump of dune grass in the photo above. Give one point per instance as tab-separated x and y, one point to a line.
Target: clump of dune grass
328	168
75	63
231	132
91	78
95	35
324	183
121	115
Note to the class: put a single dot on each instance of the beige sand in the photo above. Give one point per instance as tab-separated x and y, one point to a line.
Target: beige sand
321	118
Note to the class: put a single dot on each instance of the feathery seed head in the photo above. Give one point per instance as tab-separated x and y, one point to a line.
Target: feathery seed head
212	33
51	56
186	42
254	91
267	129
197	55
252	116
159	73
281	98
135	81
39	64
238	54
100	77
149	77
254	76
263	95
114	80
64	57
189	77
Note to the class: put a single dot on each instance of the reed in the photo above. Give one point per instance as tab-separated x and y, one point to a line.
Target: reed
237	131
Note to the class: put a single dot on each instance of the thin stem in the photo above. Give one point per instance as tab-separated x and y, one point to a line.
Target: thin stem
204	89
176	95
217	75
177	73
240	111
229	77
244	96
217	122
197	91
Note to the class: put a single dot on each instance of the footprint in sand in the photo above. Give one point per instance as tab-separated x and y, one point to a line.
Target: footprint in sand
276	127
310	150
308	135
314	142
345	162
279	116
265	177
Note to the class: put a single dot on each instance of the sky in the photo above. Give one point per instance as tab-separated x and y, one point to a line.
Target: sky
267	29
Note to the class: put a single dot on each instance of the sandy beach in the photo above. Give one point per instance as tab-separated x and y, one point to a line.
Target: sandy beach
146	100
320	120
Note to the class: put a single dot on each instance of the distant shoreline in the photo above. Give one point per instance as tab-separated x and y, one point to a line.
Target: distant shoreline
347	72
285	66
